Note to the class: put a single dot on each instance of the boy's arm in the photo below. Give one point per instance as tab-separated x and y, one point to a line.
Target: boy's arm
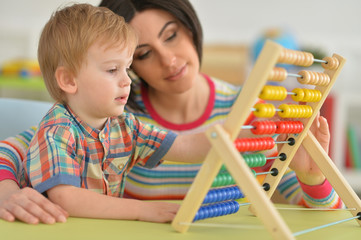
80	202
189	148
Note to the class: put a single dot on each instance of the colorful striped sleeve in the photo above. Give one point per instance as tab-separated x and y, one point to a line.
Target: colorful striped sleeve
12	154
318	196
322	195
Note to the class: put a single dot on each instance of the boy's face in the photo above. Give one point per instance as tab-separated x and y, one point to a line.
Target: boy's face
103	83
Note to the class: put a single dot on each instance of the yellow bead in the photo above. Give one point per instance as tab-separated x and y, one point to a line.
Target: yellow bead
286	111
273	93
298	97
264	110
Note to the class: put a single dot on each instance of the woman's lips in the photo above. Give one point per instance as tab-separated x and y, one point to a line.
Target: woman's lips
177	74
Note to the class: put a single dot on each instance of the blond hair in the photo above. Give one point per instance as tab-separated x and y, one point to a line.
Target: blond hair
70	32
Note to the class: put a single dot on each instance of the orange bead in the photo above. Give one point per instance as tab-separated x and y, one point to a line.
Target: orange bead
277	74
331	63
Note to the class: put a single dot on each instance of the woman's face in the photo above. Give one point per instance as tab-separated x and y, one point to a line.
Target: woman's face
165	57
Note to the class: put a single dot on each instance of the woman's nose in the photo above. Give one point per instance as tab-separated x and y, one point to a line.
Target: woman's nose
168	58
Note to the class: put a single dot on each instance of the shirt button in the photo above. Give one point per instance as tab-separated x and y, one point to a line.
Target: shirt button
102	135
120	166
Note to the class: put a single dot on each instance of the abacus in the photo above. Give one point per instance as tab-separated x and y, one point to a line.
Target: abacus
226	150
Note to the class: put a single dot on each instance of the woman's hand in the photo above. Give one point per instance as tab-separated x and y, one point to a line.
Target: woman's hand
305	168
27	205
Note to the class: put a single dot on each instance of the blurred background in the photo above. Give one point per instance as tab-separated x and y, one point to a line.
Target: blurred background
234	31
322	26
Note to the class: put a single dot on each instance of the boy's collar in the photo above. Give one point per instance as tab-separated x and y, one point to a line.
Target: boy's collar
86	128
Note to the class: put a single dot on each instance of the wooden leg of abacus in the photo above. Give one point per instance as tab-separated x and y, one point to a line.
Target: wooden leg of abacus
197	192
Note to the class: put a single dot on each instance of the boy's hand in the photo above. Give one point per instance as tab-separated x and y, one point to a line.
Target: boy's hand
160	212
27	205
305	168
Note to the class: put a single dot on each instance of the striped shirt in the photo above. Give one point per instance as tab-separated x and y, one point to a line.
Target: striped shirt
66	150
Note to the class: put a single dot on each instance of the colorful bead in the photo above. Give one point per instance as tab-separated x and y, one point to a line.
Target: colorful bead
264	110
273	93
216	210
263	127
295	111
254	144
286	127
223	194
255	160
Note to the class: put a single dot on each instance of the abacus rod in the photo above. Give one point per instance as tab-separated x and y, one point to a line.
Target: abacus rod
319	61
210	208
262	227
223	225
263	173
318	209
293	75
323	226
279	142
304	209
277	109
250	126
270	158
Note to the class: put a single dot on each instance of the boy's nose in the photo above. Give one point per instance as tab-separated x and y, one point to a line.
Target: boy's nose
125	81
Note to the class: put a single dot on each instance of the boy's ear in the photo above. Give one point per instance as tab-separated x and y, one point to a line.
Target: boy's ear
66	80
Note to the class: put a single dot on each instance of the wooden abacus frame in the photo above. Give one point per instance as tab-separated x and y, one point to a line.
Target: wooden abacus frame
223	151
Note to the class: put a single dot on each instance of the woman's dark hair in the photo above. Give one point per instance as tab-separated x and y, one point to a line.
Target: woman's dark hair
180	9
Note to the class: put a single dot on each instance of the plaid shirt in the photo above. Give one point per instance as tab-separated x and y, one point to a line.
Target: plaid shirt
66	150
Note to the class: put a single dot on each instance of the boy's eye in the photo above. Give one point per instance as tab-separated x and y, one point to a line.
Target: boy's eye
112	70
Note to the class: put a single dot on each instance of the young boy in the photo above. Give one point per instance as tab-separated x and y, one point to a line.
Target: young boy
82	151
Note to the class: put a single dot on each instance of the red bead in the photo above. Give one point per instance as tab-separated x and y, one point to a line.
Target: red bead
263	127
254	144
289	127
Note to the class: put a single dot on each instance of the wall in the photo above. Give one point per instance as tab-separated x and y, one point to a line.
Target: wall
329	25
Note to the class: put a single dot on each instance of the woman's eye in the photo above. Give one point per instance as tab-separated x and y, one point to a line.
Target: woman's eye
143	55
171	36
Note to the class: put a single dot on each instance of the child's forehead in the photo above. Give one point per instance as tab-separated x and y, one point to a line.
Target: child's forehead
112	50
114	45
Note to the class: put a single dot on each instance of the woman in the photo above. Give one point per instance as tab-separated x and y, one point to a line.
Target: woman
169	91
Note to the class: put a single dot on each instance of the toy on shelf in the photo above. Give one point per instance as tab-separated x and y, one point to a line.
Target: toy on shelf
226	149
21	68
